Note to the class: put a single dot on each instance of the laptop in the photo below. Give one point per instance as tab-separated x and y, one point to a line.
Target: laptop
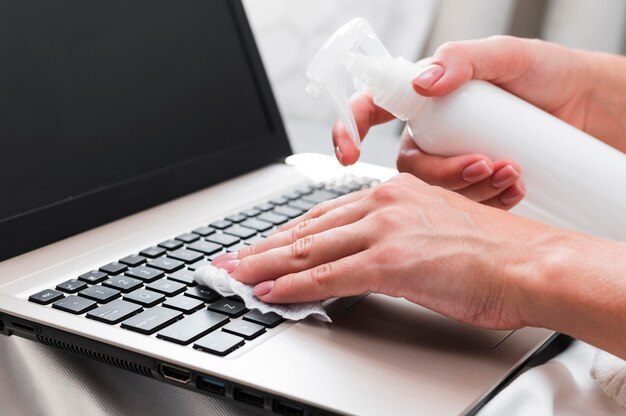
140	140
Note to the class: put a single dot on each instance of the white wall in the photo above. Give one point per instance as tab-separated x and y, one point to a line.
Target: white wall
289	32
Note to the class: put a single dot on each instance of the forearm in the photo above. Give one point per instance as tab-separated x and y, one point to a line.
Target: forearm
606	113
580	290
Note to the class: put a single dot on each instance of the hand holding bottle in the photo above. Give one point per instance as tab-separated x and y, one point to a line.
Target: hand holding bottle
574	86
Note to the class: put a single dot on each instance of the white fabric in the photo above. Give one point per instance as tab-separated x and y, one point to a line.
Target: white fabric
220	281
610	372
562	386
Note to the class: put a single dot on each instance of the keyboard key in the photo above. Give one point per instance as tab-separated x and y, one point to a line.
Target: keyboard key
133	260
239	231
192	327
202	293
74	304
223	239
245	329
302	205
171	244
252	212
268	320
72	286
319	196
185	255
275	219
221	224
184	304
145	273
145	297
167	287
152	320
265	207
188	237
205	247
183	276
195	266
291	196
254	240
114	312
204	231
113	268
256	224
123	283
279	200
305	190
93	277
153	252
236	218
288	211
236	247
166	264
46	297
100	294
228	307
219	343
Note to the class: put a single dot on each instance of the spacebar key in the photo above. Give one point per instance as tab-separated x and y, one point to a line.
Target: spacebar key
151	320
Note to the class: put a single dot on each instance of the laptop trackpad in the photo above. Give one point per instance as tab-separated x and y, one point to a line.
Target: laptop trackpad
413	318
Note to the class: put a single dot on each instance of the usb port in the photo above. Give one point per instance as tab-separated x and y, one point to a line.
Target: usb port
249	397
175	374
212	385
281	407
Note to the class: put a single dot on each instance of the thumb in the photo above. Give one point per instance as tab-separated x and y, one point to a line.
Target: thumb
498	59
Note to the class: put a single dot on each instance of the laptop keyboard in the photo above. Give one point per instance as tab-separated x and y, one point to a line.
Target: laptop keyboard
153	292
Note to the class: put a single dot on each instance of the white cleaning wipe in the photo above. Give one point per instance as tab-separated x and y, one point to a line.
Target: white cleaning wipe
220	281
610	372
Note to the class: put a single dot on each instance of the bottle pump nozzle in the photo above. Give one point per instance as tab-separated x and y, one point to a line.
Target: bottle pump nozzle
330	72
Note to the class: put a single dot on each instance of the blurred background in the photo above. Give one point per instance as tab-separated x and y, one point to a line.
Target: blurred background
289	32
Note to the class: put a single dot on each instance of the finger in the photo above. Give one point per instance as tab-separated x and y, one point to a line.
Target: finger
452	173
366	115
343	277
325	207
507	174
510	197
499	59
303	254
338	217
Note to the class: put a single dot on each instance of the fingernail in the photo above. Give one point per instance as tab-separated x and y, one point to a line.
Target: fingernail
223	258
338	155
264	288
476	172
505	177
511	195
428	76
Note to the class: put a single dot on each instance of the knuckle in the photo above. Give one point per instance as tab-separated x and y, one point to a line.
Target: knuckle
452	48
322	275
300	230
386	193
301	248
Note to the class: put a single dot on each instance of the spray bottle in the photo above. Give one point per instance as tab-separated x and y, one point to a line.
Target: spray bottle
572	179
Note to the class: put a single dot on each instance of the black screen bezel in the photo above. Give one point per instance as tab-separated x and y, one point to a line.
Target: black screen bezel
55	222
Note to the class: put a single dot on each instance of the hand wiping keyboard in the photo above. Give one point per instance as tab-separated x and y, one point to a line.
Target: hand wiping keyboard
220	281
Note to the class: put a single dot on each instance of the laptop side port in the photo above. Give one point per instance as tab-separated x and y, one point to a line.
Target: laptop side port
23	327
249	397
281	407
174	373
212	385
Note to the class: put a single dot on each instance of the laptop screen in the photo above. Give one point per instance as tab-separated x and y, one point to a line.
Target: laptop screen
109	107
